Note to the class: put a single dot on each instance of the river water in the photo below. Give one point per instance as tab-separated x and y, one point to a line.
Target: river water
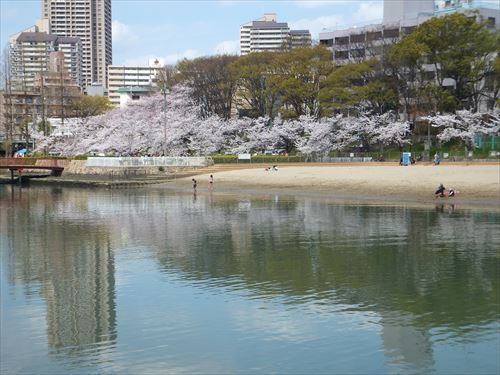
150	281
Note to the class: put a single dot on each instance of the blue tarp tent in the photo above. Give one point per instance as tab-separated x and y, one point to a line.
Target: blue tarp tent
21	151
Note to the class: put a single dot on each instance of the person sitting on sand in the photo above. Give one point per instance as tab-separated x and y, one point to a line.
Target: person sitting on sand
451	192
440	191
275	167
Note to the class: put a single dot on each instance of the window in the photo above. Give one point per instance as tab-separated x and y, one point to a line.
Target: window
358	38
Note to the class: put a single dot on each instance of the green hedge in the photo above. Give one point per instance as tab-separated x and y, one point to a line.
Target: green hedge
224	159
261	159
80	157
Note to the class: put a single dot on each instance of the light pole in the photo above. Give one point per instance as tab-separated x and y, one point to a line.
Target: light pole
164	91
429	139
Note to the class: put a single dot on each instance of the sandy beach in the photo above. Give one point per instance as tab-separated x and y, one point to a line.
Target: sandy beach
476	183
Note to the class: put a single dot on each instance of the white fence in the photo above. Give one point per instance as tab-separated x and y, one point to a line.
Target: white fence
148	162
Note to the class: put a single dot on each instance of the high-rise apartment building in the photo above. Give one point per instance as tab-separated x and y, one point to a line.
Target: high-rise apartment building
89	20
266	34
29	55
400	10
51	94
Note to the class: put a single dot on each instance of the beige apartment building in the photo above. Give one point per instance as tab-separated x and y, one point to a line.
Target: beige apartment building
29	55
135	81
89	20
51	97
266	34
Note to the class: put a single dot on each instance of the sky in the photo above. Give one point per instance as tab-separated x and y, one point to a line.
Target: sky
171	30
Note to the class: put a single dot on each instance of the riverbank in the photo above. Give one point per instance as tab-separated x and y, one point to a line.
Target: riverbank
478	185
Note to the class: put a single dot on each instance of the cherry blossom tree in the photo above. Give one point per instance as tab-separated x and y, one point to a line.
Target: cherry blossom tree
465	125
371	129
142	128
319	136
389	130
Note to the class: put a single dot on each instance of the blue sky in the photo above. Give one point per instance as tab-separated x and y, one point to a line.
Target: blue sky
172	30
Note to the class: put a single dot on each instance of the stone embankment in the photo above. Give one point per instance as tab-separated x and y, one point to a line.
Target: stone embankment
77	173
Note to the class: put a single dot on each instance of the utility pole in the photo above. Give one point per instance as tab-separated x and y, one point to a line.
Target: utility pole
164	76
62	93
164	90
8	103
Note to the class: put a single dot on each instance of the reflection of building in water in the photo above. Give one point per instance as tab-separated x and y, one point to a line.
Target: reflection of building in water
405	344
80	297
73	264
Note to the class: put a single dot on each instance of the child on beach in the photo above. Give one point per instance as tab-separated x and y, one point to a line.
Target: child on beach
195	183
440	191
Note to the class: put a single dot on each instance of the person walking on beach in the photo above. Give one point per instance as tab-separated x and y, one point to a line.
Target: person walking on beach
195	183
211	181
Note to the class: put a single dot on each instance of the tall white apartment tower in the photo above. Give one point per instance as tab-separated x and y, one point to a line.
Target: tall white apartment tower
89	20
399	10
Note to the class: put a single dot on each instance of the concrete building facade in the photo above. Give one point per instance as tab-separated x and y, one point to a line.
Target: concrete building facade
266	34
138	79
400	10
52	95
29	55
300	38
360	43
89	20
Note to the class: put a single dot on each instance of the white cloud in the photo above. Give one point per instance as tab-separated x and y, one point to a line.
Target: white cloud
316	25
168	59
121	32
320	3
370	12
186	54
365	13
227	47
227	2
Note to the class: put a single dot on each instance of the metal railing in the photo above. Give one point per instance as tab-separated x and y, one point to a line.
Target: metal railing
114	162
